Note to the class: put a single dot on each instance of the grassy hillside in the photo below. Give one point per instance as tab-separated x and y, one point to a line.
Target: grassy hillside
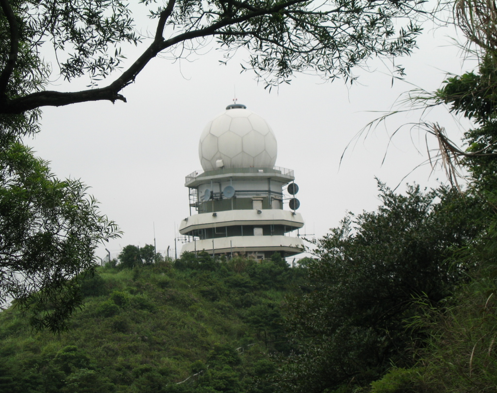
192	326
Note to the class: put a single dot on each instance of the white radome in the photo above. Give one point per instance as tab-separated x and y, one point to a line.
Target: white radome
237	138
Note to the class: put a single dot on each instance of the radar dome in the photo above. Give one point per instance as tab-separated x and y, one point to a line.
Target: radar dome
237	138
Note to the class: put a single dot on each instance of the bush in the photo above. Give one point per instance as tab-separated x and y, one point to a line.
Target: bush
120	298
212	293
223	355
93	286
120	324
142	303
241	284
398	380
107	309
164	283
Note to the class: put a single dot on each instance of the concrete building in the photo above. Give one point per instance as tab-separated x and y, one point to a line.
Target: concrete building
238	201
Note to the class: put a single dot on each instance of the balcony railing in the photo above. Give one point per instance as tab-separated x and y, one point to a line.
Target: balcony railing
277	170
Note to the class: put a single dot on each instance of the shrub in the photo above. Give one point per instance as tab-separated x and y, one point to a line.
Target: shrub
107	309
398	380
93	286
120	298
120	324
142	303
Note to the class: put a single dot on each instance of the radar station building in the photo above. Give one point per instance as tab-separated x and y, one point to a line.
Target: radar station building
238	201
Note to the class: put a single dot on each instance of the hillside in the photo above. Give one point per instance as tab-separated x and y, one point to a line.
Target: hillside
192	326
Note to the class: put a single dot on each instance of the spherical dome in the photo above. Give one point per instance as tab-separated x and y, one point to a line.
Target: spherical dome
237	138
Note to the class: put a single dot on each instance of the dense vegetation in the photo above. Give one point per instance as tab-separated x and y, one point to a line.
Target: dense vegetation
191	326
368	285
396	300
49	227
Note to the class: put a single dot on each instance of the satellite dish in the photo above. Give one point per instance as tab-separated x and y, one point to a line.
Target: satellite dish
293	188
228	192
207	195
294	203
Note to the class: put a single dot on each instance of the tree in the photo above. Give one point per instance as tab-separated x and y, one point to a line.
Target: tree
49	230
130	257
282	37
365	284
133	256
474	94
265	319
147	254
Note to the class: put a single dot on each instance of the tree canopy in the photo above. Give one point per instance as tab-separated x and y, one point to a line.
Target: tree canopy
133	256
369	274
49	230
402	299
281	37
157	329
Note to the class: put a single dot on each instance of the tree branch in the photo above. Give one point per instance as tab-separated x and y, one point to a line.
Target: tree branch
14	48
164	15
111	92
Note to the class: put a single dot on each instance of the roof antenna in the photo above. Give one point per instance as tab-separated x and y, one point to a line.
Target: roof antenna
235	105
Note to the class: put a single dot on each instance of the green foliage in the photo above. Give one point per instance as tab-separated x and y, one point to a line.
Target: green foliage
351	327
70	358
142	303
475	96
93	285
222	355
87	381
459	355
457	350
266	320
50	229
7	381
120	298
147	254
82	34
155	332
130	257
280	37
201	262
133	256
398	380
107	309
119	324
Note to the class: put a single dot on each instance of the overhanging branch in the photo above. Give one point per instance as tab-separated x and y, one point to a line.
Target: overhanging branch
111	92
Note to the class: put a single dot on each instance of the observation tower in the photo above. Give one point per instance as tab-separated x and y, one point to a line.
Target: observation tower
238	201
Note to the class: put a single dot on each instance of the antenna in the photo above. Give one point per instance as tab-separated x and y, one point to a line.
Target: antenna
207	195
294	204
234	95
155	243
293	188
228	192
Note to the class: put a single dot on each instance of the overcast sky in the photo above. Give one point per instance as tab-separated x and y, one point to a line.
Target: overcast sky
135	155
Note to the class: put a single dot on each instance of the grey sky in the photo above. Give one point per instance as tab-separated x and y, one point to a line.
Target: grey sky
135	156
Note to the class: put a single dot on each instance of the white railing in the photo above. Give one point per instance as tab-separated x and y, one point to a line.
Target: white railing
277	169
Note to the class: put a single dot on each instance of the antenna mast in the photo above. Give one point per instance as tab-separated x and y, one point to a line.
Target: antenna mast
155	244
